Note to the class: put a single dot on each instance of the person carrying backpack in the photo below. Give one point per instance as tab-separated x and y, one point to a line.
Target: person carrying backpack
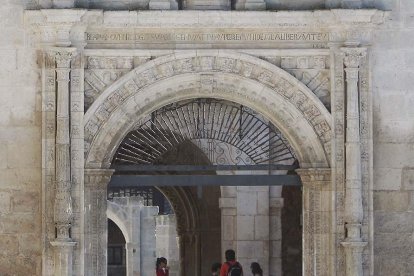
231	267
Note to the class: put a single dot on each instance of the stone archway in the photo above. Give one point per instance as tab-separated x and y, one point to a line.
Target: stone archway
247	80
259	85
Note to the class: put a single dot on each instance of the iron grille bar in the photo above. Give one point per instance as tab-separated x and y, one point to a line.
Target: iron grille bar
203	180
177	123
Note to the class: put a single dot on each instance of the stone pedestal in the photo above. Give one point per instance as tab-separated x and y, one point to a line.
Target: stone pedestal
353	255
63	257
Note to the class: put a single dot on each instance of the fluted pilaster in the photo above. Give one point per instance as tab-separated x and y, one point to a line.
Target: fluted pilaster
63	213
96	182
318	254
353	198
63	200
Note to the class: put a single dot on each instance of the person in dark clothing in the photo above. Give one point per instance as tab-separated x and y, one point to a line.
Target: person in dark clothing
161	267
231	266
215	269
256	269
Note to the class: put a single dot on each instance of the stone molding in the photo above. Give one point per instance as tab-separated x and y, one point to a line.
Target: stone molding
238	70
315	176
198	18
98	178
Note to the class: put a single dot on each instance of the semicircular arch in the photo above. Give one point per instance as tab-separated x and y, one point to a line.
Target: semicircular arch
282	99
112	212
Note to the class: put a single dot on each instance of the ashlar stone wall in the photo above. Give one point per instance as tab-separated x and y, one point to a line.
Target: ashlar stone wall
20	147
393	117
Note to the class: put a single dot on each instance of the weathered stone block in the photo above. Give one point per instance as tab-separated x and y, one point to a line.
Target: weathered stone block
390	155
393	244
20	223
394	131
391	201
393	222
261	228
25	202
228	223
387	179
407	179
245	228
9	244
4	202
246	203
24	155
30	245
263	203
276	249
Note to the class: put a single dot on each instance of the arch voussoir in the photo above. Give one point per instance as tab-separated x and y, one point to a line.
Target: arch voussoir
285	101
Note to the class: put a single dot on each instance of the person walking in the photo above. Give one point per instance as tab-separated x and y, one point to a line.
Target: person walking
215	269
231	267
256	269
161	267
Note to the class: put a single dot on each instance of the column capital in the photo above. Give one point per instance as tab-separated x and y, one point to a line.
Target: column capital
62	55
353	56
98	178
315	176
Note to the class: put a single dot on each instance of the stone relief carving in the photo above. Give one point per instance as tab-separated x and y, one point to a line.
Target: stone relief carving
227	64
313	71
101	71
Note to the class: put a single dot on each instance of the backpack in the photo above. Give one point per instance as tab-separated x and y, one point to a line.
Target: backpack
234	270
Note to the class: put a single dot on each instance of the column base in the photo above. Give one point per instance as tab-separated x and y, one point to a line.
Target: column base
63	257
355	245
353	257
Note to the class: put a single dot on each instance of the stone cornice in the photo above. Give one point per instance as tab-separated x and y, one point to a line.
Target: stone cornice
97	28
197	19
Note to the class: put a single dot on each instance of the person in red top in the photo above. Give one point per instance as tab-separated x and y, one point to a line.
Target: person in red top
231	262
161	267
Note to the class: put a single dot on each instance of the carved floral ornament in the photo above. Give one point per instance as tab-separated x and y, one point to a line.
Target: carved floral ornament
241	67
353	56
